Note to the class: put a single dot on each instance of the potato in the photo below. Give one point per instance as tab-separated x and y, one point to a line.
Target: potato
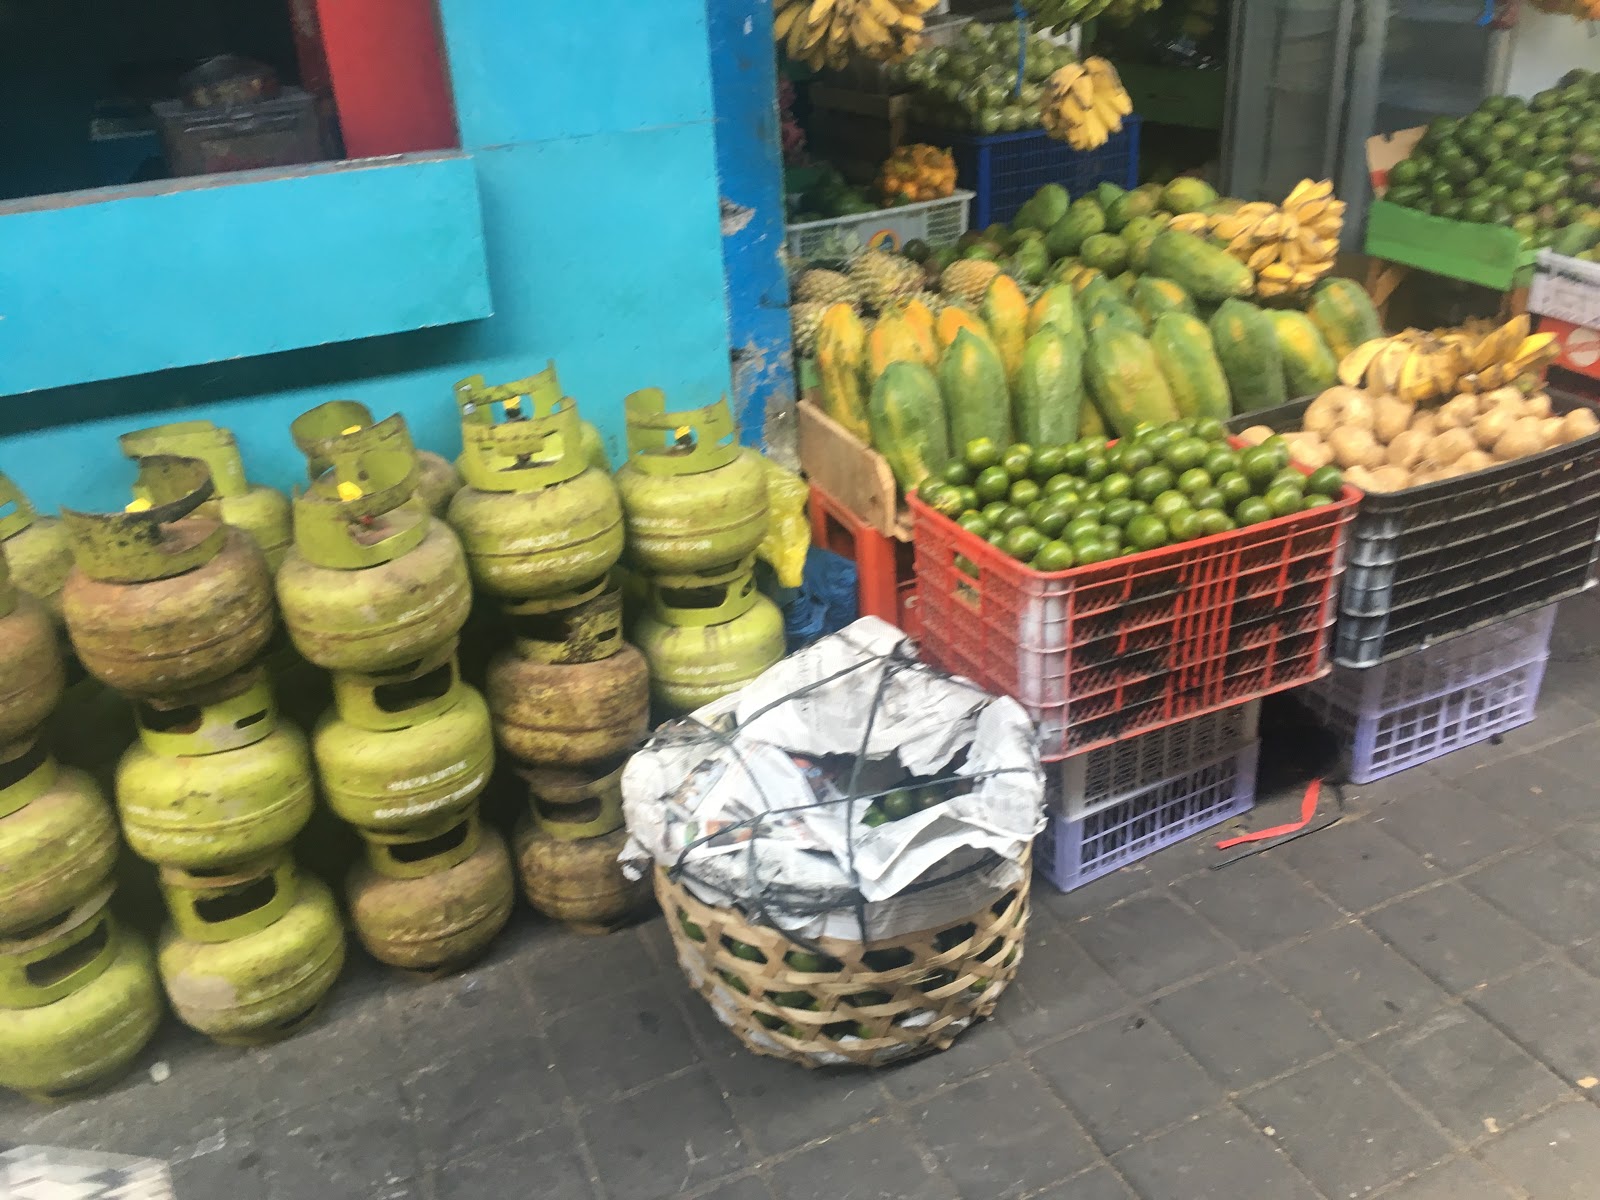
1390	418
1355	448
1451	445
1408	449
1339	408
1504	395
1384	479
1526	436
1426	422
1308	450
1580	422
1472	460
1492	425
1458	413
1256	434
1536	405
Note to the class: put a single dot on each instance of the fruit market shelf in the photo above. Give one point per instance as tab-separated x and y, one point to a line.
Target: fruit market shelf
1099	652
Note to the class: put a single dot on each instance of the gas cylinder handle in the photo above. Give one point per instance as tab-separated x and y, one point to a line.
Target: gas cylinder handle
238	712
39	776
537	444
346	426
152	541
16	514
686	441
213	446
88	926
189	896
361	512
739	596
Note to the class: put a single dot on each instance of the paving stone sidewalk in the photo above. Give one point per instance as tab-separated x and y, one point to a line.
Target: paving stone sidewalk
1402	1006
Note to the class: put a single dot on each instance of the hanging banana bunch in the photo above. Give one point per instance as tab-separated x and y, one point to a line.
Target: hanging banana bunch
1084	104
826	33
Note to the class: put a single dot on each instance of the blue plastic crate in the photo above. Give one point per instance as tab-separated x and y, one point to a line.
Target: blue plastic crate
1005	169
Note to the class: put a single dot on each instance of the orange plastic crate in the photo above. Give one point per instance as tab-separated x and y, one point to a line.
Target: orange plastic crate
1124	646
886	581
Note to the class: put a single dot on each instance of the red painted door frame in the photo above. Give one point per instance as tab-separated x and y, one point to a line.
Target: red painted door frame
384	61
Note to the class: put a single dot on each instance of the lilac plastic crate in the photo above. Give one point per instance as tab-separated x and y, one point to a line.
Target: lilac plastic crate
1413	709
1073	852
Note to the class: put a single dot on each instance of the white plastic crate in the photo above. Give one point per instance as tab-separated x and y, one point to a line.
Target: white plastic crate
1086	784
937	222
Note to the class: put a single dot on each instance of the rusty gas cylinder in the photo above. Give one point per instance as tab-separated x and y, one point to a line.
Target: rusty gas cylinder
573	803
36	548
215	778
31	675
580	883
555	631
569	714
260	511
160	601
373	583
426	848
536	519
265	979
341	426
88	1036
404	748
437	922
58	839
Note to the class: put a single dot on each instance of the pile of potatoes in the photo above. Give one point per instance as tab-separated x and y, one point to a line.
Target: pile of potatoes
1384	444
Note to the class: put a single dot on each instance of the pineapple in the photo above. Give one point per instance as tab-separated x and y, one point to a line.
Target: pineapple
805	318
968	279
885	278
820	286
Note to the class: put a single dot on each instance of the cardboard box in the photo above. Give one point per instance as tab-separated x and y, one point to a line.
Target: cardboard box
1567	289
1386	149
1580	346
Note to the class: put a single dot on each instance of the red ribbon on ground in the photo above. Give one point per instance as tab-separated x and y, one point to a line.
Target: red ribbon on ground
1308	809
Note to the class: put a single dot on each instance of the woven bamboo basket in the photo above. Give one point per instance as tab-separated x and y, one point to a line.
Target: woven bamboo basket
838	1001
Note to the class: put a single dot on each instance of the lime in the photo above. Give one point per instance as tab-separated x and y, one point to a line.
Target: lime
946	499
1111	533
1147	532
1093	444
995	536
1024	492
1219	461
1116	487
1012	518
1074	459
956	472
1184	525
1284	499
1257	465
966	566
1052	521
874	818
1252	511
746	951
1081	528
1059	484
1315	500
994	510
993	483
1168	503
1195	479
1130	458
1183	425
1213	521
1093	552
1093	509
1055	556
1288	475
1152	481
1018	460
1095	468
1157	442
1022	543
1326	481
1139	506
1234	488
1090	492
1211	429
1210	497
1188	453
1119	513
899	803
981	453
973	523
929	487
1048	461
1033	509
969	497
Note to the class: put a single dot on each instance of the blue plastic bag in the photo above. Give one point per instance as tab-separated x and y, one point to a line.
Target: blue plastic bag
826	601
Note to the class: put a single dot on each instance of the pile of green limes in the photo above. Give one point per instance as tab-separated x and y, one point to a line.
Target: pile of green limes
1058	507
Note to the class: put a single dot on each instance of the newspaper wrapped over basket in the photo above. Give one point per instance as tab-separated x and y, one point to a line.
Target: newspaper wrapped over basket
842	850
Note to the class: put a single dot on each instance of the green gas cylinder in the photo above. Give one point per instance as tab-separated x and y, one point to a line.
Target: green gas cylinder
58	840
342	426
35	546
706	643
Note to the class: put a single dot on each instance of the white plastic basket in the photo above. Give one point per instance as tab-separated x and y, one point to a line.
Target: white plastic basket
937	222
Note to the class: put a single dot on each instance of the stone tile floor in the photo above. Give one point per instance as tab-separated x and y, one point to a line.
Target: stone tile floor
1402	1006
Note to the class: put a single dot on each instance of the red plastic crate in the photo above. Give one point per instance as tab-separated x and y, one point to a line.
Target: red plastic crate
1102	651
886	582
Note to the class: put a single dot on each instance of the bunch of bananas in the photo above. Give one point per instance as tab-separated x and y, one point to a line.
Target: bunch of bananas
1084	104
1414	365
827	32
1289	246
1061	15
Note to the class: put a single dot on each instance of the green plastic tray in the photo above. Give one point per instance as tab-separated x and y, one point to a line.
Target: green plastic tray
1490	255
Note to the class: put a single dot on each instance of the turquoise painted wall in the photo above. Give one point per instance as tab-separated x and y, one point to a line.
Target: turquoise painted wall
591	130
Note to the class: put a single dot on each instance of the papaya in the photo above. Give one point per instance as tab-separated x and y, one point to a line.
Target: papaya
1084	278
1105	252
1205	271
1186	195
1126	381
1152	297
1043	209
841	358
1309	367
1084	218
1113	314
919	318
908	422
1005	311
1188	362
1344	314
1090	422
1056	307
1247	348
952	321
972	380
1049	390
1097	290
892	340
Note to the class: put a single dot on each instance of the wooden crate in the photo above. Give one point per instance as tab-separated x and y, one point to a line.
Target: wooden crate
851	472
857	130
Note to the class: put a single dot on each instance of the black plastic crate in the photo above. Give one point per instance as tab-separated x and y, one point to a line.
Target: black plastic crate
1442	559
